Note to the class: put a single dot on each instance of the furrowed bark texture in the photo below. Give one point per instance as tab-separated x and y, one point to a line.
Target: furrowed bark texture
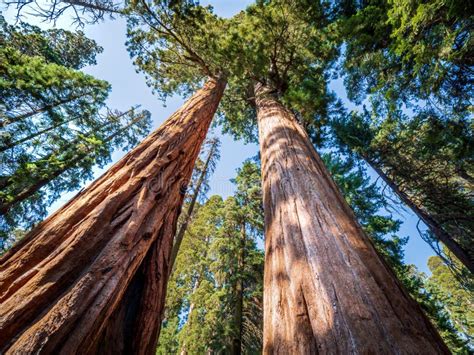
326	289
99	266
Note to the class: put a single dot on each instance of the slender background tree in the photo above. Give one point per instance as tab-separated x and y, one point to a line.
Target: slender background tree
414	62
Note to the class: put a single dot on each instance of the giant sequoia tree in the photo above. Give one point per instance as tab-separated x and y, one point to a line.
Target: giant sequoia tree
326	287
108	249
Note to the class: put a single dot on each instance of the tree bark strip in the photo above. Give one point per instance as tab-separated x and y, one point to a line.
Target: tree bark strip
61	285
326	288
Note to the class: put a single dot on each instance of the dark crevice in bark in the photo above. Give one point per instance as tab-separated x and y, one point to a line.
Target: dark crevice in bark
70	274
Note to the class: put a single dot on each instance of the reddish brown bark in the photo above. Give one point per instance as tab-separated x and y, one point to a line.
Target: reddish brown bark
326	288
99	266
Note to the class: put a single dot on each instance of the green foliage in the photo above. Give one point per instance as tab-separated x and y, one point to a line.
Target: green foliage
54	125
176	44
288	46
434	40
68	49
406	50
457	301
202	292
428	158
284	44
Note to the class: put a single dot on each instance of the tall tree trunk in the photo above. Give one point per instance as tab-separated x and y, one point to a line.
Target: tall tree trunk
326	288
189	212
66	282
436	228
23	194
239	295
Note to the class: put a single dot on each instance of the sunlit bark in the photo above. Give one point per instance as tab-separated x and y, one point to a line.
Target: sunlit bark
74	277
326	290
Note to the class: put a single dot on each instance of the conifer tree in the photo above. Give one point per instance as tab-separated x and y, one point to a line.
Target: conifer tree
108	247
404	53
426	161
454	298
314	246
130	213
198	187
217	284
275	57
54	129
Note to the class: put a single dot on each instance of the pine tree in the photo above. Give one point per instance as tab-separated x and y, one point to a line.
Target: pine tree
454	297
404	53
214	299
54	129
426	162
68	49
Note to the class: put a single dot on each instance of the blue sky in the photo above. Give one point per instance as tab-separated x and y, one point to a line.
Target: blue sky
129	88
